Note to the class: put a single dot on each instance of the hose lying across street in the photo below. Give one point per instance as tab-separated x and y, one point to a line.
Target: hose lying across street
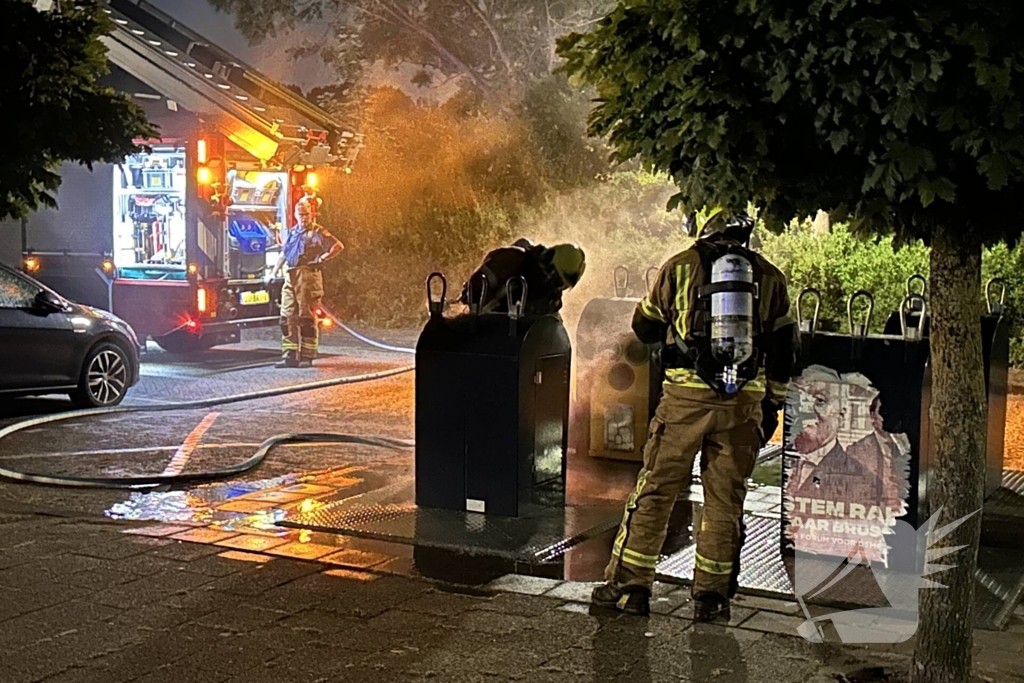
151	481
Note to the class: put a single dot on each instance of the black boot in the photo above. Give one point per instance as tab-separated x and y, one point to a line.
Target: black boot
708	606
289	361
635	600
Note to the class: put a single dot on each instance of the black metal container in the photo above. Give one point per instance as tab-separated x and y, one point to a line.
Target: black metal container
492	409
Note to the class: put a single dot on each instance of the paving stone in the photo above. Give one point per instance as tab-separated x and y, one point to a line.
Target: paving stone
151	618
574	608
572	625
146	564
352	575
492	622
253	542
96	580
117	549
202	600
364	600
360	559
257	579
766	604
75	675
18	602
316	625
151	542
441	603
302	551
241	618
181	672
216	566
29	575
994	641
231	653
623	635
573	591
156	531
582	664
397	621
674	603
34	664
772	622
185	551
70	563
525	585
737	615
515	603
48	623
151	589
316	663
55	655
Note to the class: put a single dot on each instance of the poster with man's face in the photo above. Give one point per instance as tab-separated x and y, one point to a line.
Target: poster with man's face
846	479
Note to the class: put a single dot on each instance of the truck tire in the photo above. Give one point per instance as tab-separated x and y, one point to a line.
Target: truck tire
184	342
104	379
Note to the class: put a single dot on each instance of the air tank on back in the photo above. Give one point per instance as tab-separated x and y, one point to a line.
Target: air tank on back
732	317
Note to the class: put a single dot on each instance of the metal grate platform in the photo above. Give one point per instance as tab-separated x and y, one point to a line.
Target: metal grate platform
761	566
542	534
1013	480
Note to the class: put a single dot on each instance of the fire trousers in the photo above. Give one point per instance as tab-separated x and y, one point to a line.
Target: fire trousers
727	432
303	290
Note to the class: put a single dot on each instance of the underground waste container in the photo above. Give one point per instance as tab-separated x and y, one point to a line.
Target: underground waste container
857	444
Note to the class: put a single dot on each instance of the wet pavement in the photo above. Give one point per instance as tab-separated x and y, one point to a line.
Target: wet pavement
203	583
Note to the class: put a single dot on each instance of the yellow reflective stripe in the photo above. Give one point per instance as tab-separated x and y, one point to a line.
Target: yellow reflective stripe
634	558
682	300
649	310
684	377
711	566
641	481
289	346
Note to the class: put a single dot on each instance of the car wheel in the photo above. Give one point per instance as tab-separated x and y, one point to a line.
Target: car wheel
105	377
184	342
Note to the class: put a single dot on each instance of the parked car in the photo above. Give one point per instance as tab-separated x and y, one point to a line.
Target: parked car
50	345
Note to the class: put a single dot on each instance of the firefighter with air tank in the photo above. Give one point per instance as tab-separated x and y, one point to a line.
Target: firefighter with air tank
307	247
722	314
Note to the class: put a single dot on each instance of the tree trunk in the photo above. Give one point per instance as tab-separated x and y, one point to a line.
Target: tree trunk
958	410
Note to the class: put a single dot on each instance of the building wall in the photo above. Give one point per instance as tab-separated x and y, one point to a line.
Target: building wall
84	217
10	242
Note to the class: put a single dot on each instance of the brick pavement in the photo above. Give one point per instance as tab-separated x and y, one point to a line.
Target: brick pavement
85	603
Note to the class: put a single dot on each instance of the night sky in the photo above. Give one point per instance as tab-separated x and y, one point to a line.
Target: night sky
268	57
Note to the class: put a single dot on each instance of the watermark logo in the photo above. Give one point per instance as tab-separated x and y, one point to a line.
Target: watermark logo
900	576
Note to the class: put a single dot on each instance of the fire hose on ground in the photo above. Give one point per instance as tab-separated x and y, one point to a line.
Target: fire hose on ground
153	481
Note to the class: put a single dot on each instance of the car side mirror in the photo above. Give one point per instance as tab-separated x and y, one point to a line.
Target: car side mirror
49	302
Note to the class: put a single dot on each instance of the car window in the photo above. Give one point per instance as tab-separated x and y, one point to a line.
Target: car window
15	292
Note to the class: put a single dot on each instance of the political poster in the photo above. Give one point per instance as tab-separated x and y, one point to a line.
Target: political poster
845	478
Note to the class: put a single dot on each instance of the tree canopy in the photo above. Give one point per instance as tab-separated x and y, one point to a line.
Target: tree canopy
493	45
906	115
54	107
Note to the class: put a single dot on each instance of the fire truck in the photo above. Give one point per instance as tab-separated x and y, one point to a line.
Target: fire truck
177	239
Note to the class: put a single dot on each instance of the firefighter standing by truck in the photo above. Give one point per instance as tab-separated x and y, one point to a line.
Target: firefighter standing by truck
723	315
307	247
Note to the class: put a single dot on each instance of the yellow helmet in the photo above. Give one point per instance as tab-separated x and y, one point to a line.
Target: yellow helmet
569	262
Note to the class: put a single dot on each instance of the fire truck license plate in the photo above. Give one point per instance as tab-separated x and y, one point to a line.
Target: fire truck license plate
250	298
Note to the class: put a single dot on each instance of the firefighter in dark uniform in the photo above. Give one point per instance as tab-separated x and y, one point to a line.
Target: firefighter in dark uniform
728	423
307	247
548	272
